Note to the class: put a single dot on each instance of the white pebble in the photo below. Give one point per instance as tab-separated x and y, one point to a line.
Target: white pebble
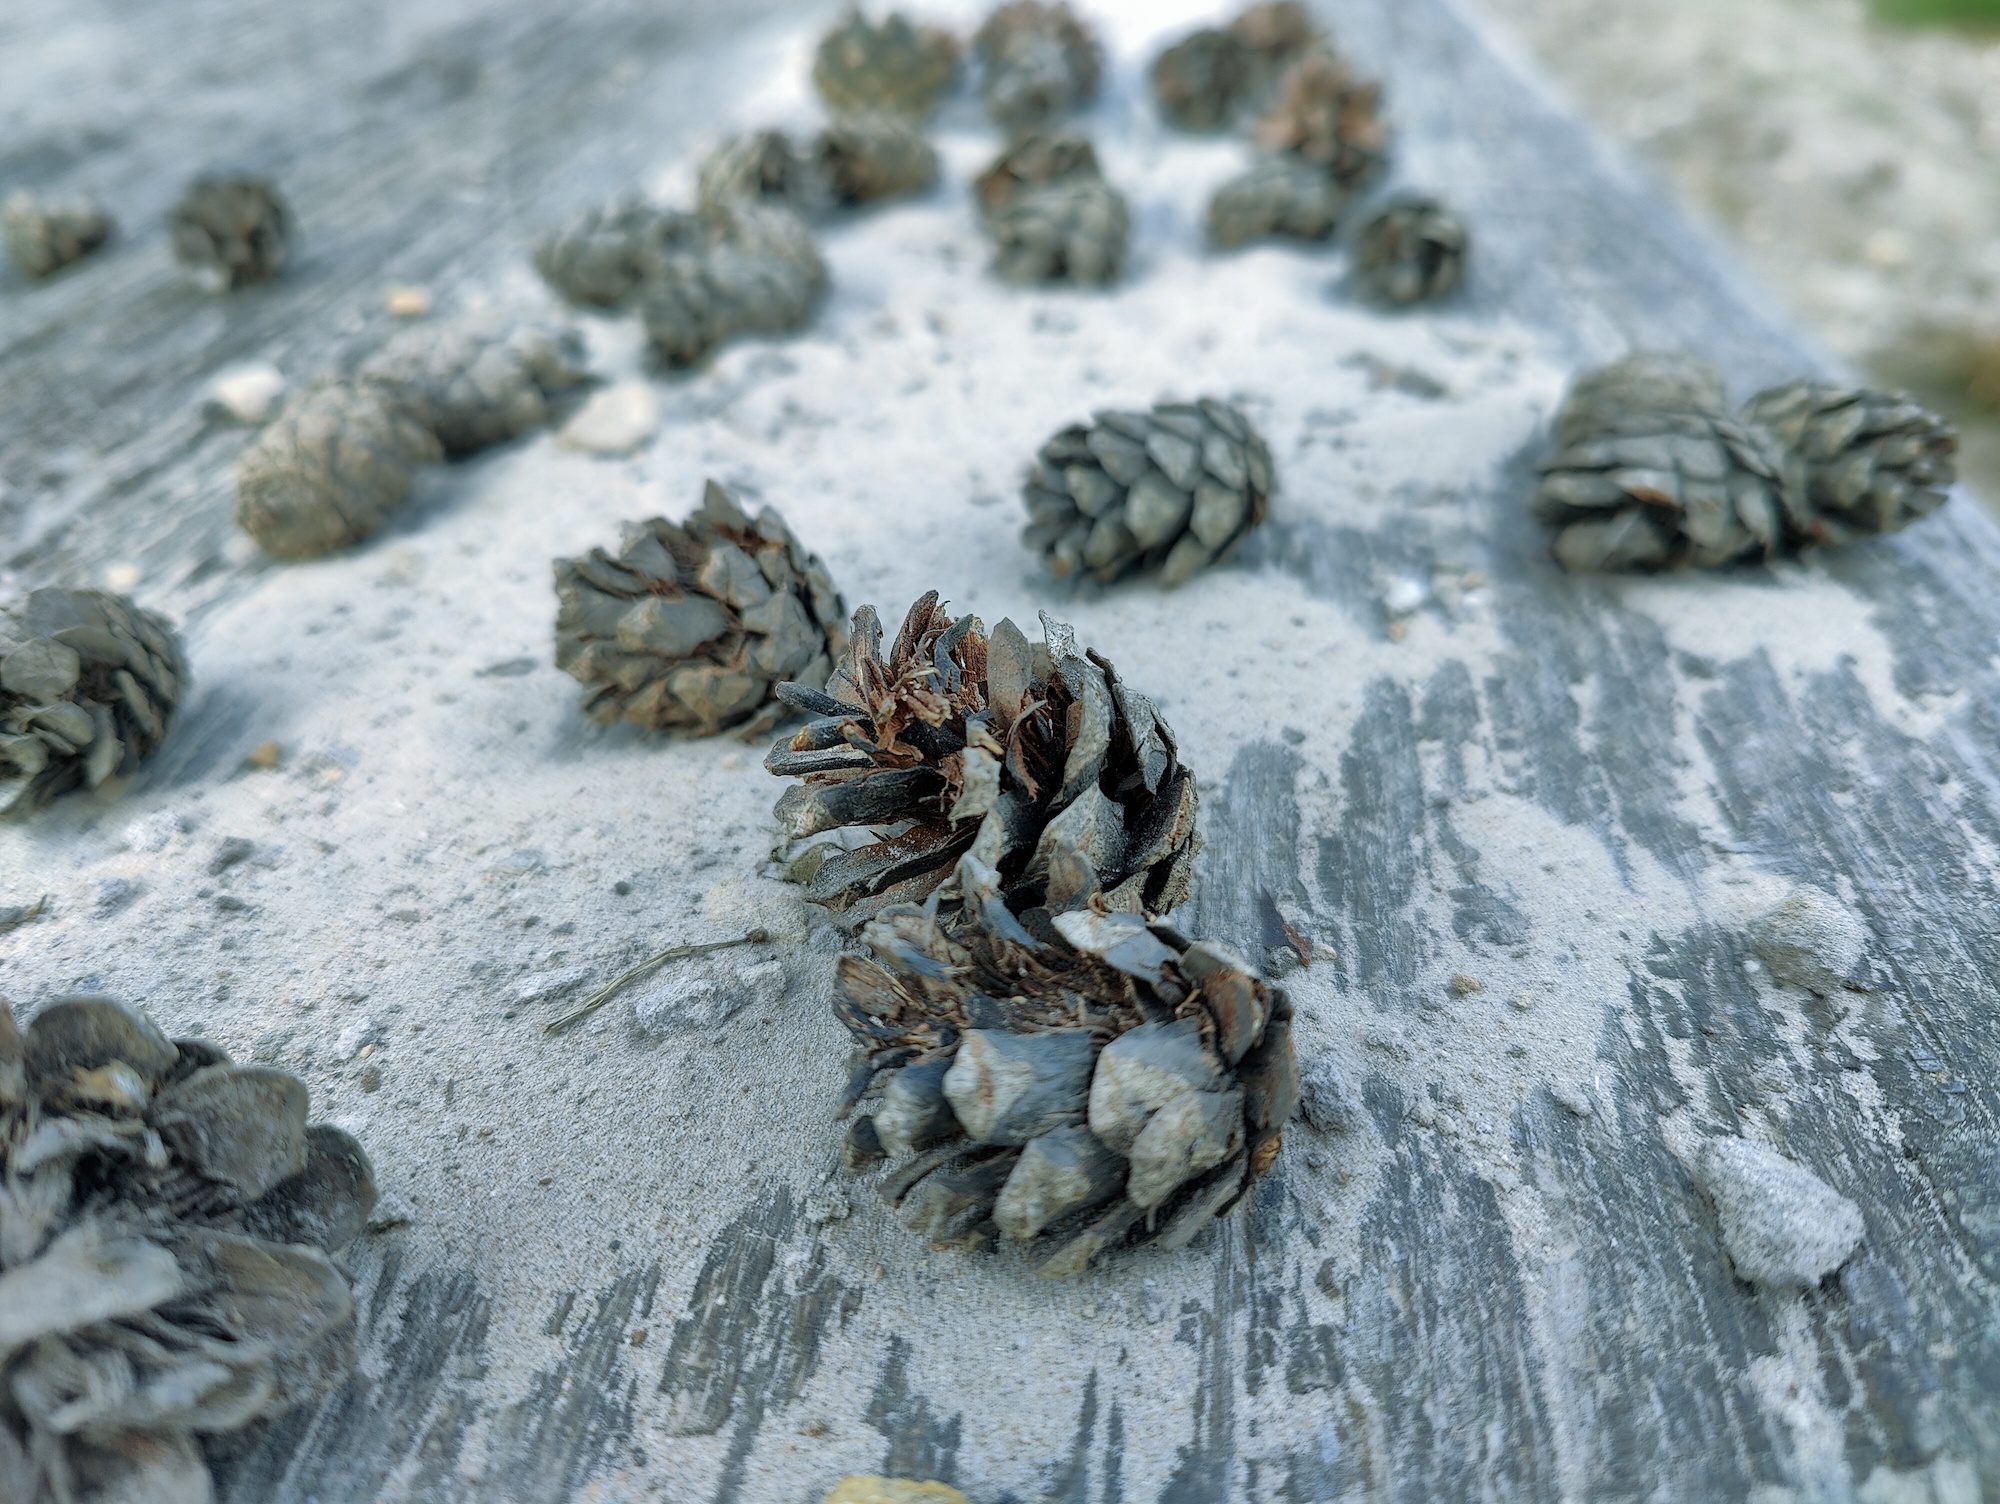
538	985
247	392
685	1002
1812	939
1782	1224
1401	597
616	420
1327	1099
356	1037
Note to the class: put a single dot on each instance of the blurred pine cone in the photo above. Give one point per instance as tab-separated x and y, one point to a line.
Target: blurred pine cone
691	627
481	379
1174	489
1412	251
232	232
1040	62
858	159
1865	462
1600	399
734	269
1326	114
331	466
893	66
1050	214
89	686
1283	193
602	255
1080	1081
164	1254
957	741
764	166
45	235
1275	34
1200	82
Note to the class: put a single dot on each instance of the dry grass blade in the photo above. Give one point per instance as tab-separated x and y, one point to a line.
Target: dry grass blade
651	964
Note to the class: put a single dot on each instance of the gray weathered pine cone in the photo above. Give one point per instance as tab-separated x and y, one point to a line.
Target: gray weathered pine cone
734	269
1283	193
1050	214
90	685
44	235
892	65
1210	77
600	257
480	379
329	469
1411	251
232	232
1326	114
1865	461
167	1226
691	628
858	159
1039	62
1174	489
763	167
958	741
1073	1080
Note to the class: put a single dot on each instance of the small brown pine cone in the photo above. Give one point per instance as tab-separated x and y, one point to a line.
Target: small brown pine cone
232	232
1202	80
1327	114
1412	251
481	379
1076	1079
90	685
892	66
691	628
1050	214
329	469
165	1253
1865	461
1283	193
1175	489
956	741
1040	63
734	269
45	235
602	255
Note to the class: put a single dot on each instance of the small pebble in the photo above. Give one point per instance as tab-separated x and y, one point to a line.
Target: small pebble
356	1037
1811	940
1462	985
1327	1099
616	420
264	756
685	1002
1782	1225
228	853
114	893
539	985
407	302
246	393
1401	597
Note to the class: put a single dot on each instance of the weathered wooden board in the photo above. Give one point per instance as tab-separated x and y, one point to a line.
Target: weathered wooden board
1447	1300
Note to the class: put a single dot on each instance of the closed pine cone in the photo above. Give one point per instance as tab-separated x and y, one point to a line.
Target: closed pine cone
1866	462
762	167
602	255
45	235
166	1243
1075	1079
956	741
1412	251
1050	214
232	232
1040	63
734	269
1328	115
858	159
1211	76
329	469
690	628
1283	193
892	65
90	686
481	379
1174	489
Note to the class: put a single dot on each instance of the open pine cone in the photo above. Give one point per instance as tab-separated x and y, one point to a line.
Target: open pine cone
1208	78
1050	214
1174	490
1040	62
1327	115
733	269
858	159
45	235
1078	1081
1411	251
232	232
89	686
892	65
956	741
1866	462
166	1221
331	466
602	255
692	627
481	379
1283	193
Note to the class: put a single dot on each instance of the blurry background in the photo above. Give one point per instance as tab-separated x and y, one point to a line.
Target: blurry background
1849	150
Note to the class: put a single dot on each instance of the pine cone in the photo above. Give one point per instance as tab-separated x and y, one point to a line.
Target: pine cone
856	160
1040	63
1328	115
1865	462
1201	81
1599	400
46	235
1283	193
893	66
1411	252
1174	489
89	686
602	255
762	167
1050	213
331	467
956	742
691	627
165	1235
1080	1081
733	269
232	232
1275	33
482	379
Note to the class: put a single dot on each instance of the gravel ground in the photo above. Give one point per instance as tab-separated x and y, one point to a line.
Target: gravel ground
1851	165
